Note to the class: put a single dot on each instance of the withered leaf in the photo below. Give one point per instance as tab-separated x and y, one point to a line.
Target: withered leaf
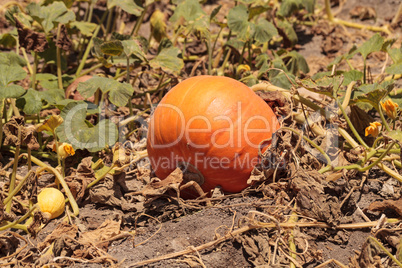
62	229
29	39
64	41
10	130
35	226
8	244
276	100
110	193
312	199
79	180
106	231
159	187
395	205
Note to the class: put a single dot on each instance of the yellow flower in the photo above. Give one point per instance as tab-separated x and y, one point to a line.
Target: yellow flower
64	150
390	108
373	129
50	124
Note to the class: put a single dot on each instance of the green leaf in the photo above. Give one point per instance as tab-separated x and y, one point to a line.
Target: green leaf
7	40
168	60
395	54
288	32
75	130
190	10
395	135
308	5
371	45
238	23
373	93
264	31
256	10
352	75
31	102
130	6
281	80
214	12
49	16
112	48
9	14
262	64
288	7
325	85
119	93
86	28
11	58
11	91
50	81
295	62
394	68
132	47
10	74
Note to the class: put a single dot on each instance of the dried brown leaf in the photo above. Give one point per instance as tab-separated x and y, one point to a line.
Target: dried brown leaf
158	187
29	39
10	130
64	41
105	232
395	205
79	180
62	229
312	200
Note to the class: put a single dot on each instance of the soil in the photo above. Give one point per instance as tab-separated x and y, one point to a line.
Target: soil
164	226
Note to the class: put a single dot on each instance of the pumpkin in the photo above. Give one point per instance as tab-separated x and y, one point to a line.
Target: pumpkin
51	203
212	125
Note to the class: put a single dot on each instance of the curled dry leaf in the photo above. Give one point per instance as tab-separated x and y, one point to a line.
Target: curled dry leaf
10	130
8	244
312	199
395	205
62	229
111	191
257	247
276	100
158	187
103	233
79	180
64	41
29	39
363	12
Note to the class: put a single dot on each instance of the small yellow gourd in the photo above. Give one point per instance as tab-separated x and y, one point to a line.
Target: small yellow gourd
51	203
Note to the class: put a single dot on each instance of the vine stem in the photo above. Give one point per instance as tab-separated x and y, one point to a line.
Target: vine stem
331	18
89	46
12	224
35	68
352	128
17	189
14	174
385	250
63	183
138	23
58	58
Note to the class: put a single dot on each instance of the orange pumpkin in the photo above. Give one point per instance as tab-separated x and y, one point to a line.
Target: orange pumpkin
213	123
